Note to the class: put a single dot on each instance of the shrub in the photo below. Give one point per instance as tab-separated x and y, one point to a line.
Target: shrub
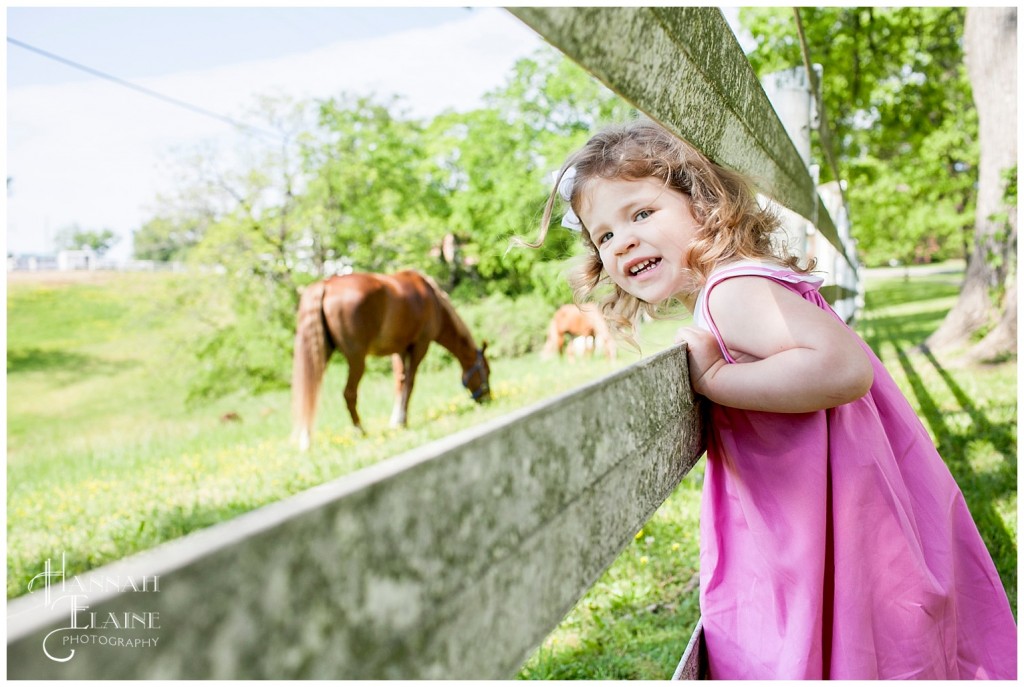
511	327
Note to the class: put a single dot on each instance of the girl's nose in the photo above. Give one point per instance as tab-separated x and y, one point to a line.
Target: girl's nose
625	242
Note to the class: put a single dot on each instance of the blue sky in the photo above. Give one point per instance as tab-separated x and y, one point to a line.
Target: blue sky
154	41
82	150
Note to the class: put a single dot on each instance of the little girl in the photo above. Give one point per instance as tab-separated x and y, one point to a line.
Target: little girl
834	541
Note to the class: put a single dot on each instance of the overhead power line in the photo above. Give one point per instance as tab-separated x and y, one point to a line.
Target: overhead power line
145	91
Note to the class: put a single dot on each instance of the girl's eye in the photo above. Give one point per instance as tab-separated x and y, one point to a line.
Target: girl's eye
604	237
643	214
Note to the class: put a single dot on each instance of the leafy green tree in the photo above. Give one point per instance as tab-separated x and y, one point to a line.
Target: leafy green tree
923	100
373	199
74	237
491	192
164	238
254	242
499	161
899	104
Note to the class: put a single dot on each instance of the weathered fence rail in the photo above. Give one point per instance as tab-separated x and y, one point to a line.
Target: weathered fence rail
454	560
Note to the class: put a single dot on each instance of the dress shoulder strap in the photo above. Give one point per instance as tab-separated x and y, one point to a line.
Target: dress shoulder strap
792	280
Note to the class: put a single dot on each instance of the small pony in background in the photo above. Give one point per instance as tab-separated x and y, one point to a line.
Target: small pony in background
364	314
584	324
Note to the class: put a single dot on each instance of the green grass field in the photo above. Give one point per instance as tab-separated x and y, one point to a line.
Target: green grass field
105	459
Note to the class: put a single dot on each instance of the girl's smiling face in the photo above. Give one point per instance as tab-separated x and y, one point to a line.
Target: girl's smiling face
642	230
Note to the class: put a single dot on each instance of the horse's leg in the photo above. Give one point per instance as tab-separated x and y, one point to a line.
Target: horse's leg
356	367
399	365
575	348
410	361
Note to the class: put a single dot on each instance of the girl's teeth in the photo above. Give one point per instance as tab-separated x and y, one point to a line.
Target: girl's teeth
647	264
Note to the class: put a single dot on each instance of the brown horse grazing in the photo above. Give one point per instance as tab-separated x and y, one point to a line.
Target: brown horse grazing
376	314
575	321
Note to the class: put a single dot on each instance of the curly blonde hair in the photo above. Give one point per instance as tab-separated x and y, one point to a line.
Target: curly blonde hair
732	224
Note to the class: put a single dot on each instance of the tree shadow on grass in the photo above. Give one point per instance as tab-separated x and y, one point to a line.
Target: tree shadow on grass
889	293
910	329
981	489
24	360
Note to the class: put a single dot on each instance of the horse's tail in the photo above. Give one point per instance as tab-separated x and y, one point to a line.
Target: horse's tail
312	349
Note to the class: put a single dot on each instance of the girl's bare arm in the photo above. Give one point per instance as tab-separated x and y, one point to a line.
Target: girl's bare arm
793	357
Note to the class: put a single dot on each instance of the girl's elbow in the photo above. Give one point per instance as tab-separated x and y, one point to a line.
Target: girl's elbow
858	376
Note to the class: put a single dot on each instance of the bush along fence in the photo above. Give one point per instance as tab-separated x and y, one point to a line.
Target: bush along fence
457	559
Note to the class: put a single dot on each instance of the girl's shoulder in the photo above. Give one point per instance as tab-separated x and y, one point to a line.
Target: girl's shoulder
745	268
757	268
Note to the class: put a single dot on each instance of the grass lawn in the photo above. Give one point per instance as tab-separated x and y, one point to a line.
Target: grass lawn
105	459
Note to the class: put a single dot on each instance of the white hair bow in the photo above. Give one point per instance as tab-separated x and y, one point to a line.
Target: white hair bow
569	220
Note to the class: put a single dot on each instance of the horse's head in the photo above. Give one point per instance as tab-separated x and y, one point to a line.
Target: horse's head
477	377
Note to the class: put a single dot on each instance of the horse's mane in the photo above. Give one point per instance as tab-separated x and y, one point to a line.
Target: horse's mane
460	327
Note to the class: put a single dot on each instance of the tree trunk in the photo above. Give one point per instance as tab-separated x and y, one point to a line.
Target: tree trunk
1001	341
990	53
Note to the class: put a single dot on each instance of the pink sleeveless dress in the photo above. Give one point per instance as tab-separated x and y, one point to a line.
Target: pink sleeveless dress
836	544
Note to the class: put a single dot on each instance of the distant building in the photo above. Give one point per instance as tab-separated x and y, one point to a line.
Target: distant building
84	259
